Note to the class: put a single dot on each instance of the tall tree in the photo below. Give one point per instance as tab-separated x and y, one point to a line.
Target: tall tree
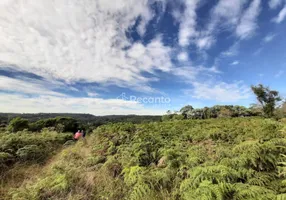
185	110
267	98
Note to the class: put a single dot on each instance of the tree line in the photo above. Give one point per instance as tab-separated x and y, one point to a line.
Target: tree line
69	124
270	104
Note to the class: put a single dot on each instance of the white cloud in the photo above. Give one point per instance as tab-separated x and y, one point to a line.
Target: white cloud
232	51
224	16
281	16
279	74
33	96
274	3
269	38
80	41
236	62
191	74
51	104
86	41
228	12
248	22
220	91
29	86
205	42
188	23
183	56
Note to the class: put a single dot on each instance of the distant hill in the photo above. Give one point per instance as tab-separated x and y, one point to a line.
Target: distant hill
85	118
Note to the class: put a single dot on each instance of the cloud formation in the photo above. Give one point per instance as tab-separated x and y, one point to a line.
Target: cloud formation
220	92
84	41
269	38
236	62
52	104
29	86
183	56
275	3
187	30
248	21
68	42
281	16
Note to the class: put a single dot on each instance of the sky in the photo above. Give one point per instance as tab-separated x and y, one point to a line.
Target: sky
138	56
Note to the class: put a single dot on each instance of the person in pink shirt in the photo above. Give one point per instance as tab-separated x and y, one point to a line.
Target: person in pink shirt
77	135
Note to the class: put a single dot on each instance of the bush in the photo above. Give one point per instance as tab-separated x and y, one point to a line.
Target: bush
31	153
60	124
18	124
6	159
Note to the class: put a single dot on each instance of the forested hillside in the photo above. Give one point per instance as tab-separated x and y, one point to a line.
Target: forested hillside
228	158
83	118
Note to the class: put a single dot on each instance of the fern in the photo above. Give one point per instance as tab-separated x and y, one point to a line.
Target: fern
281	197
132	175
140	191
215	174
205	191
261	157
249	192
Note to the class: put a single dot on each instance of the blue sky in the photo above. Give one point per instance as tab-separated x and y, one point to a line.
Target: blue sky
138	56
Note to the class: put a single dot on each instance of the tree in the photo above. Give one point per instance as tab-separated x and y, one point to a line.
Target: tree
267	98
225	112
169	112
18	124
185	110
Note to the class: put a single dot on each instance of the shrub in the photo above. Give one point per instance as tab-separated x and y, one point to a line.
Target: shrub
6	159
18	124
31	153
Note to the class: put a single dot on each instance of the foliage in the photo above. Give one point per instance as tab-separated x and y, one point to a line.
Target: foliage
61	124
85	120
18	124
5	160
280	112
218	111
185	110
31	153
267	98
26	146
215	159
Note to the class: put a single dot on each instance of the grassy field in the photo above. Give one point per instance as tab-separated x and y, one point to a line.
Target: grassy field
231	158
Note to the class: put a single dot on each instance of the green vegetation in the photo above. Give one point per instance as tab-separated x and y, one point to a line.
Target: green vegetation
60	124
18	124
223	152
267	98
225	158
268	107
84	119
20	151
26	146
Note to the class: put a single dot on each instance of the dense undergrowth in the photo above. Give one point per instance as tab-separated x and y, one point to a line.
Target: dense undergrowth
24	150
236	158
